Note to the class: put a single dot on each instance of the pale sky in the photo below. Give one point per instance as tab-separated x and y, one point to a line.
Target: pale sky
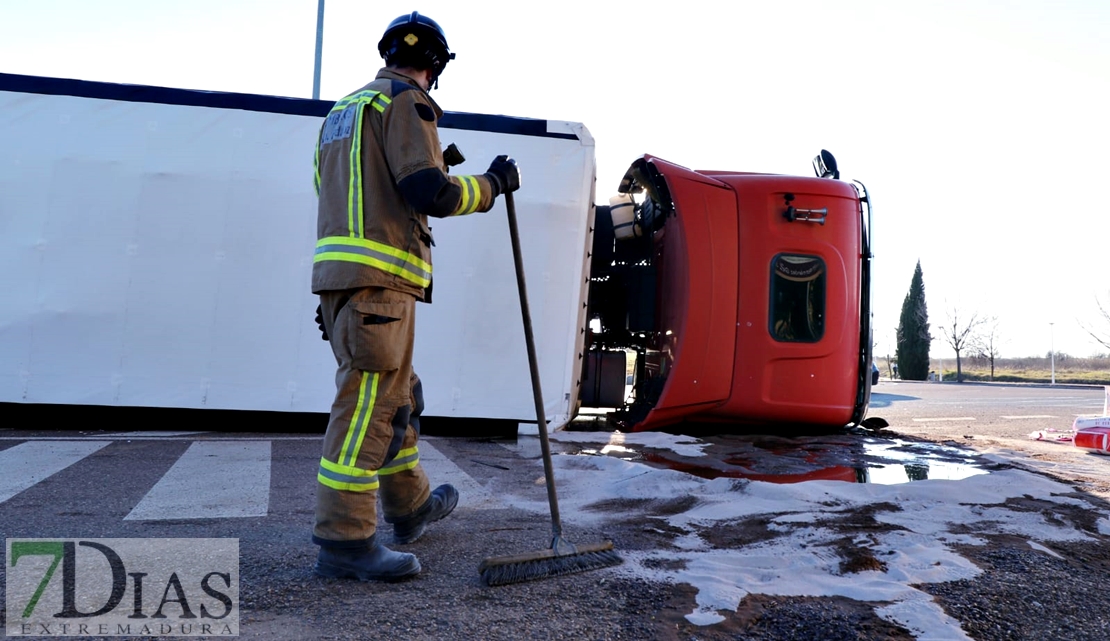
979	127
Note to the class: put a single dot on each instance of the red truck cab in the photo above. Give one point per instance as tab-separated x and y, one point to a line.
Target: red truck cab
744	297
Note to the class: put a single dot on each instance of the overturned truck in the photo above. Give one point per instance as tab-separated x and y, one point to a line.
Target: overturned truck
744	298
157	251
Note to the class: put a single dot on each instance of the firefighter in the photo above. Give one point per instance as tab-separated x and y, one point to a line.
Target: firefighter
380	173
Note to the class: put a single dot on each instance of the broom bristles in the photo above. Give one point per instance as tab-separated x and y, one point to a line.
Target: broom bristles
542	564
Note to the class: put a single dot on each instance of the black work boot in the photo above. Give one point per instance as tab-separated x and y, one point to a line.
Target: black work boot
372	563
442	501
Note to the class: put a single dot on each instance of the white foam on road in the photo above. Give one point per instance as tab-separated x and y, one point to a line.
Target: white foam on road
527	444
616	441
800	556
212	479
441	469
924	618
1041	548
25	464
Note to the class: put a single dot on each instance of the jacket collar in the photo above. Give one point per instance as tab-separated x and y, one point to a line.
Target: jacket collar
387	73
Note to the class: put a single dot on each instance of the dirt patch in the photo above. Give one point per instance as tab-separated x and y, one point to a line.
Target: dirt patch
651	507
670	565
772	618
670	507
863	518
855	558
758	528
636	532
737	534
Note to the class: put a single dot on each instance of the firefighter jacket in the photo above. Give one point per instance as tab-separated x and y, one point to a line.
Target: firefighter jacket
379	174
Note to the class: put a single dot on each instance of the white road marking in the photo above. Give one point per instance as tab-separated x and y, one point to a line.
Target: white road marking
28	463
1063	401
148	433
441	469
212	479
125	436
1012	418
954	418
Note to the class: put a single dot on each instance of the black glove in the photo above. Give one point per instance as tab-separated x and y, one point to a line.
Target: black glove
320	322
504	175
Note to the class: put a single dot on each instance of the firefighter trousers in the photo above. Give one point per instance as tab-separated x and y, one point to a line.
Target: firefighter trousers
371	440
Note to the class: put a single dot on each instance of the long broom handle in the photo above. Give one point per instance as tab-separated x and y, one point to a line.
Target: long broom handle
533	366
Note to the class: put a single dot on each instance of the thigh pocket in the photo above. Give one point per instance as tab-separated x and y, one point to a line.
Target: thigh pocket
379	335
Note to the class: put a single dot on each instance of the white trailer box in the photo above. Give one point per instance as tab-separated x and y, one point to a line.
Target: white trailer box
157	249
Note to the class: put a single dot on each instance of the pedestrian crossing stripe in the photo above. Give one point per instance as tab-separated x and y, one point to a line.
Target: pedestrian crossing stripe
212	479
441	469
29	463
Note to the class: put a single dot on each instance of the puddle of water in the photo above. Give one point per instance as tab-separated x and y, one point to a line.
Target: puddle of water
619	451
772	459
917	462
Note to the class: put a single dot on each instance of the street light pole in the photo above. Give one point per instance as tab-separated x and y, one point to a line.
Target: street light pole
319	50
1052	349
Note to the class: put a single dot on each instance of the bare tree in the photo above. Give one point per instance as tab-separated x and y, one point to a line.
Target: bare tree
988	342
960	336
1103	335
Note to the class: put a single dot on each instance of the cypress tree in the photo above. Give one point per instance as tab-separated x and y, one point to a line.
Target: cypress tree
912	352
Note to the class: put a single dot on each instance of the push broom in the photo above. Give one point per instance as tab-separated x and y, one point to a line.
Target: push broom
563	557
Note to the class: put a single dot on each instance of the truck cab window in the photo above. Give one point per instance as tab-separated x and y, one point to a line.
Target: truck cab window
797	298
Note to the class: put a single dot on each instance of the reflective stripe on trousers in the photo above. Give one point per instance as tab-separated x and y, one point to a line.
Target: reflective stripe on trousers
344	475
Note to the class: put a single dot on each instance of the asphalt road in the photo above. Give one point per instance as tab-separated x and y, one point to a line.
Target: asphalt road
259	488
1014	407
999	418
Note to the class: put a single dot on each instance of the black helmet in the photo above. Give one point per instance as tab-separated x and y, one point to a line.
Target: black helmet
415	41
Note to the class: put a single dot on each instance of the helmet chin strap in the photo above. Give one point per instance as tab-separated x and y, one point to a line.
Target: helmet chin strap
434	84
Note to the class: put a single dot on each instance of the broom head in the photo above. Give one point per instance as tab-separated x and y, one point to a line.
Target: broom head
562	558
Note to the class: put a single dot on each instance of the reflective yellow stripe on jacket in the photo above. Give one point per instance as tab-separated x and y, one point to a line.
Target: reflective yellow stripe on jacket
471	196
359	100
368	252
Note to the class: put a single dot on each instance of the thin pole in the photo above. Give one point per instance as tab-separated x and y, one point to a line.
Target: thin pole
1052	349
319	50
